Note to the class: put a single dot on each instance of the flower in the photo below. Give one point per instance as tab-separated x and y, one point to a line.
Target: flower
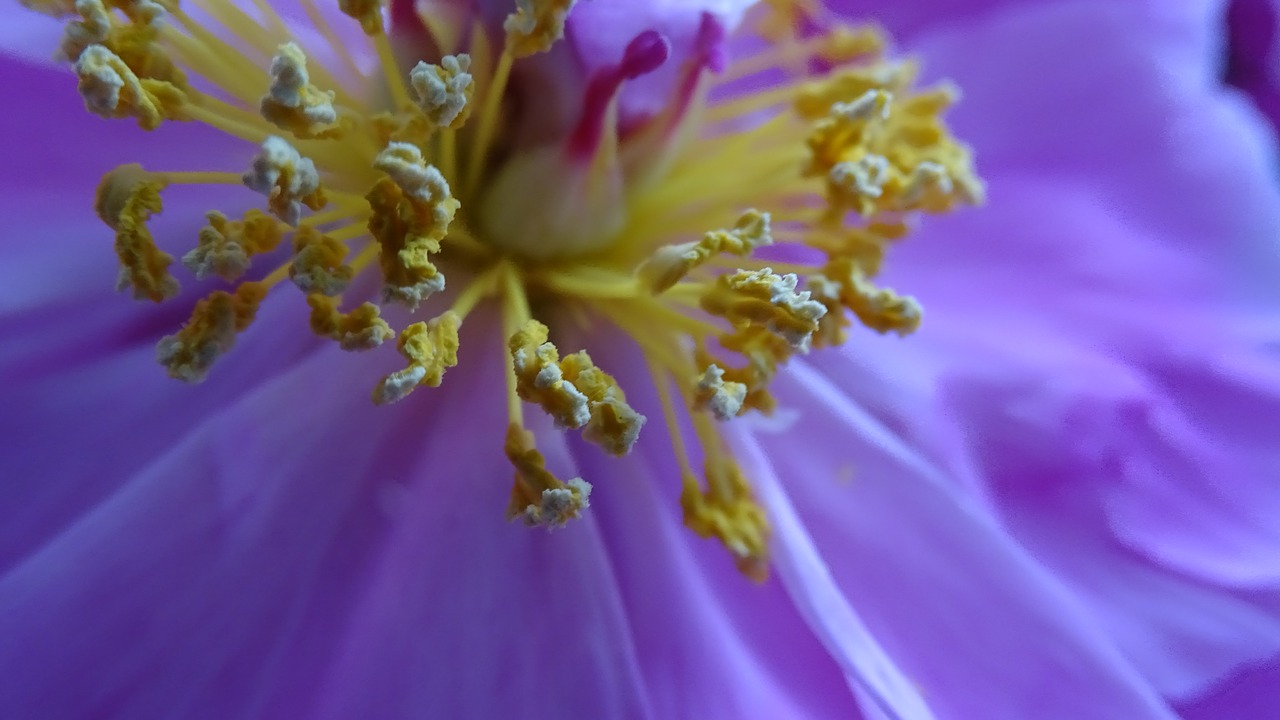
271	544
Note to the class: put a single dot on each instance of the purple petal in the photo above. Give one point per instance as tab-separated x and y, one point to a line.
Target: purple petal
275	562
911	18
963	611
710	642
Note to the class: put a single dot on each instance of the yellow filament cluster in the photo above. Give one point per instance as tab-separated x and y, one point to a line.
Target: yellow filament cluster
382	174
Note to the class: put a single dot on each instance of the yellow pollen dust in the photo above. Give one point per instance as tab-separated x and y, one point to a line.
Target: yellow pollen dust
366	188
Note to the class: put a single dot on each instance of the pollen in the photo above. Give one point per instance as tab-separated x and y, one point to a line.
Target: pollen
536	25
412	209
224	247
127	198
292	103
573	391
112	90
444	90
689	253
430	348
318	265
289	180
210	333
671	263
539	497
360	329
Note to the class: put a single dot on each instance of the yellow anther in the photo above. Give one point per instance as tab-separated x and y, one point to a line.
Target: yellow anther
93	28
573	391
360	329
317	265
536	25
412	209
722	399
763	351
368	12
110	89
444	91
134	40
847	127
614	425
54	8
143	11
292	103
210	332
766	299
289	180
538	497
540	379
225	246
430	348
727	511
858	184
125	200
670	263
843	44
815	99
844	285
779	22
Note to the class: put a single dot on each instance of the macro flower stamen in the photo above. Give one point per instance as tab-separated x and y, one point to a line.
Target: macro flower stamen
410	184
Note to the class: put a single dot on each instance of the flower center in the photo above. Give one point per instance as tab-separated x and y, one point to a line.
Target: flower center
659	225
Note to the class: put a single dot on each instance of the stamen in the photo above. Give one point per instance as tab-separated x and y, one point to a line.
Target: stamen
430	348
287	179
360	329
317	263
225	246
536	25
538	497
110	89
669	264
444	90
412	209
764	298
573	391
367	12
722	399
610	225
126	199
210	333
292	103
